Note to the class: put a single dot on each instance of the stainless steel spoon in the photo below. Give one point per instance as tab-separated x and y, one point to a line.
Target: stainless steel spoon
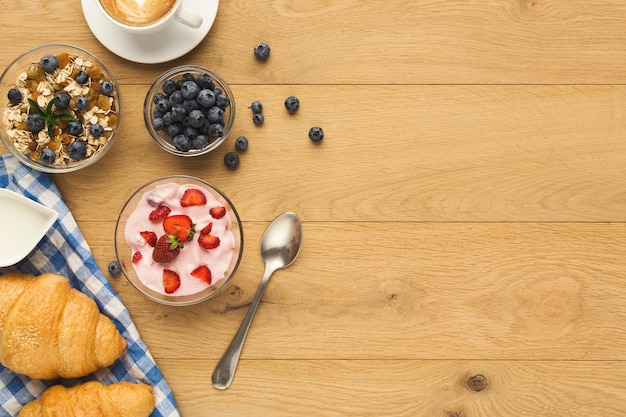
279	247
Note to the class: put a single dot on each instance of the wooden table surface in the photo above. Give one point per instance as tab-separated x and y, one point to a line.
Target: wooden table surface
464	217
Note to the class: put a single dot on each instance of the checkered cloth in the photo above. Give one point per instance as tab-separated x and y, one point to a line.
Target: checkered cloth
64	251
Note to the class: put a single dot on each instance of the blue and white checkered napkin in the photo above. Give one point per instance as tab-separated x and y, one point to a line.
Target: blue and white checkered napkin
64	251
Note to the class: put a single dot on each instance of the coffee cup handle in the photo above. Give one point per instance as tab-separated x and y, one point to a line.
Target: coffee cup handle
188	17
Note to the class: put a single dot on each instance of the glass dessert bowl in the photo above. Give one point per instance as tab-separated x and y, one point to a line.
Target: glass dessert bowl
189	110
60	108
178	240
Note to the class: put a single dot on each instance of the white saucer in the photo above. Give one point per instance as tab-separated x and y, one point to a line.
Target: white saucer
169	44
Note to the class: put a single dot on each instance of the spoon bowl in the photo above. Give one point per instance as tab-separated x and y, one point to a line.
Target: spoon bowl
279	247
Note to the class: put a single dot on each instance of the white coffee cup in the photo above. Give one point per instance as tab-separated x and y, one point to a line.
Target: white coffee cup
148	16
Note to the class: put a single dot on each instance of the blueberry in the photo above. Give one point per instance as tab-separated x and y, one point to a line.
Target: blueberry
256	107
215	130
190	89
258	119
77	150
74	128
167	118
62	100
292	103
158	124
204	80
316	134
241	143
215	115
191	132
163	105
49	63
190	105
169	86
15	96
82	103
156	113
182	143
188	77
196	118
262	51
35	123
157	97
222	101
82	77
106	88
200	142
96	130
47	156
176	97
178	112
174	129
206	98
231	160
114	268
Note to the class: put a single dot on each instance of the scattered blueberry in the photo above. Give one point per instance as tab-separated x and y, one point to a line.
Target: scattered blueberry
256	107
74	128
199	142
82	77
62	100
15	96
241	143
77	150
114	268
106	88
182	143
47	156
316	134
231	160
96	130
292	104
258	119
82	103
49	63
35	123
262	51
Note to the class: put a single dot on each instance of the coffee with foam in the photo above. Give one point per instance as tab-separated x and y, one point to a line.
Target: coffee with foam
138	12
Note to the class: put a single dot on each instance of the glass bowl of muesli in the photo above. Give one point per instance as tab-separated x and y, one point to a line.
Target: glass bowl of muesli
60	108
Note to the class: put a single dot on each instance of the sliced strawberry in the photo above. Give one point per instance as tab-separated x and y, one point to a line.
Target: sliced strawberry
171	281
217	212
208	241
150	237
179	226
203	273
193	197
159	213
137	256
166	249
206	229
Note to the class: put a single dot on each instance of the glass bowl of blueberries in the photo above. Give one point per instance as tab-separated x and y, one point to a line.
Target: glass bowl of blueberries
189	110
61	108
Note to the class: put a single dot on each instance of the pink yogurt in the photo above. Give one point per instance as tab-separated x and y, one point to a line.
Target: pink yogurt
192	255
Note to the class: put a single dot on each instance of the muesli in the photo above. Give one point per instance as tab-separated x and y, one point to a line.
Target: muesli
61	110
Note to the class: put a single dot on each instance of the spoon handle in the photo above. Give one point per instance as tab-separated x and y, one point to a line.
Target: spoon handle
225	369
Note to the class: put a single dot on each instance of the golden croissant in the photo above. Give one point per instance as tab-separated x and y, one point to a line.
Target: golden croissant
93	399
50	330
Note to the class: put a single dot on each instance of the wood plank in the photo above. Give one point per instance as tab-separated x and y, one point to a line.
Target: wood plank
422	153
418	42
402	388
411	291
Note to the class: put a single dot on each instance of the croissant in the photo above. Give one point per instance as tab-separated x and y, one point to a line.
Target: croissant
49	330
93	399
